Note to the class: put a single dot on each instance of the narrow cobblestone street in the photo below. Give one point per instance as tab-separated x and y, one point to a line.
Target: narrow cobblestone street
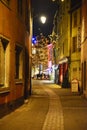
54	118
49	108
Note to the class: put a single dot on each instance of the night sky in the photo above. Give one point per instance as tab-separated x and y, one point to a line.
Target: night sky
43	7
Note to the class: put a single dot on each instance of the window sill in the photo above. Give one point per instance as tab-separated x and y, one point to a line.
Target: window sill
18	81
4	90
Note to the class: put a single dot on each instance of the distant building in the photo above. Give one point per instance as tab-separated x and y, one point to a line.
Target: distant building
40	57
15	53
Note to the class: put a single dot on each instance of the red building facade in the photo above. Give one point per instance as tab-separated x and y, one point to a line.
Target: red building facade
15	53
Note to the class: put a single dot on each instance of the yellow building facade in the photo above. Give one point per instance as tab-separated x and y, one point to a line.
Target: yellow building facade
75	43
61	47
67	28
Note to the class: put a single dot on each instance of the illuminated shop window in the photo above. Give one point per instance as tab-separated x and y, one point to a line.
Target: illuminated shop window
4	63
19	62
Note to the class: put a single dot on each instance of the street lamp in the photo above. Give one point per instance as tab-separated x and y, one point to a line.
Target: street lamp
43	19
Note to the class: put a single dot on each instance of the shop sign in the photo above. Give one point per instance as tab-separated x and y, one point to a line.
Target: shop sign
74	85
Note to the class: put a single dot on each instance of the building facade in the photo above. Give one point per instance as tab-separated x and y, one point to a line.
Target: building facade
75	41
67	47
84	48
15	53
61	46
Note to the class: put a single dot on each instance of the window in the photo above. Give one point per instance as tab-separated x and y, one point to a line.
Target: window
20	8
75	19
80	16
27	15
19	62
74	44
4	63
63	48
74	69
79	39
84	76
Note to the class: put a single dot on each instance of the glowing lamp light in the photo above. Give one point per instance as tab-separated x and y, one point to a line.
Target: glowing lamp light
34	40
61	78
43	19
33	50
55	0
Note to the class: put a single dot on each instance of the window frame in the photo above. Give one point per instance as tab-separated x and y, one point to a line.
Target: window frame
20	7
4	72
75	19
19	63
74	44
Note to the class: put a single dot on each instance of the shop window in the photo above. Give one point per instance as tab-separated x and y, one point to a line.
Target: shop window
74	44
4	62
19	62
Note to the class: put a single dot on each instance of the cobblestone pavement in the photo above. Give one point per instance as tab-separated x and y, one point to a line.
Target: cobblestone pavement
48	108
54	118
